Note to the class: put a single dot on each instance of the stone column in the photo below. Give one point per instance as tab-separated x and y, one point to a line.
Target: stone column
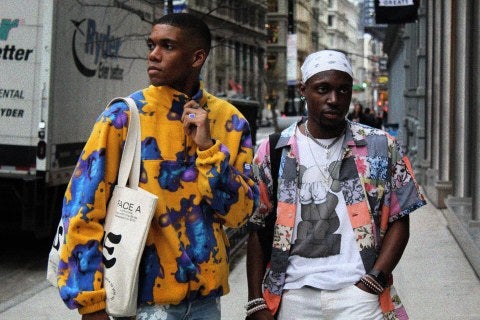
438	176
463	159
421	91
436	93
474	113
461	99
427	163
446	103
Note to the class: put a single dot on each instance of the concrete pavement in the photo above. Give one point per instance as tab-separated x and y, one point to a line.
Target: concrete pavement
434	280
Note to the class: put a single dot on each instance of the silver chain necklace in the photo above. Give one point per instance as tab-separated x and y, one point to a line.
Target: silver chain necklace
326	177
326	174
326	147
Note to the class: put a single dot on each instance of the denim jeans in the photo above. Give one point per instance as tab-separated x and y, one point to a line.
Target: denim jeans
205	309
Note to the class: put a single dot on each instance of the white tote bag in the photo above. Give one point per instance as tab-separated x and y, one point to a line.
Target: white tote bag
127	222
129	214
54	255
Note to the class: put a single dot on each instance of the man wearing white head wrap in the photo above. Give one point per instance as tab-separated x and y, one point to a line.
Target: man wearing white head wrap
325	60
339	212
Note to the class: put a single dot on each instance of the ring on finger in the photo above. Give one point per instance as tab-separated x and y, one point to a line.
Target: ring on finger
191	115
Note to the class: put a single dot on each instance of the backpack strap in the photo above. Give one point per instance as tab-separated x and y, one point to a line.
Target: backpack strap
266	235
275	155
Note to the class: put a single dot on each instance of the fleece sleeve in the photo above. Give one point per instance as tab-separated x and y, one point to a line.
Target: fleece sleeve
226	183
80	273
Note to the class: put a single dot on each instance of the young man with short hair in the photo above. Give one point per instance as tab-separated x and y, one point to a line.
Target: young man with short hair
196	157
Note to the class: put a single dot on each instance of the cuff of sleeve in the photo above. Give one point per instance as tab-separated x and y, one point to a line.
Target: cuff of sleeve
209	152
93	307
407	211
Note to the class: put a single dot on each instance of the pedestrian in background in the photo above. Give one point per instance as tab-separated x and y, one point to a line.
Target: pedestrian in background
371	119
357	115
196	157
341	221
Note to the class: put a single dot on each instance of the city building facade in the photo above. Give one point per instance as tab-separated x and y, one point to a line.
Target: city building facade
236	63
297	28
434	93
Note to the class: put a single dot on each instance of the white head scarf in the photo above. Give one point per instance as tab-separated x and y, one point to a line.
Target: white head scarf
325	60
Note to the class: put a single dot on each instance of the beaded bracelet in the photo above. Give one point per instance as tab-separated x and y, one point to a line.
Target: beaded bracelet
254	303
372	284
375	282
256	308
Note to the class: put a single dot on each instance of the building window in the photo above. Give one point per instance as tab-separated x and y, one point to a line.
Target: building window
238	14
330	20
272	6
272	32
245	15
261	19
315	41
244	57
315	14
237	58
271	61
253	18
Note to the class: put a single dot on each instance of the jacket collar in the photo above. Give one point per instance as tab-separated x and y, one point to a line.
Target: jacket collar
174	100
355	134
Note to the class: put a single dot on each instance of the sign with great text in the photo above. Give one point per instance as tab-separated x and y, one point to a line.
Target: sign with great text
396	11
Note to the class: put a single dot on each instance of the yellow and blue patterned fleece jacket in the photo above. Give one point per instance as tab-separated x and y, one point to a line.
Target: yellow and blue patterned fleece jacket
199	192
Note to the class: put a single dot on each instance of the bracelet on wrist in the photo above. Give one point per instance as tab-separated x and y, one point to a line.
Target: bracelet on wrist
372	284
251	311
255	302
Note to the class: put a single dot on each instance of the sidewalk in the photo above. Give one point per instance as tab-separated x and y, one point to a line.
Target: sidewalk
434	280
42	302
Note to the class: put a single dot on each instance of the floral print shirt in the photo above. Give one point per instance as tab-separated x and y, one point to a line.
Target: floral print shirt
379	187
199	192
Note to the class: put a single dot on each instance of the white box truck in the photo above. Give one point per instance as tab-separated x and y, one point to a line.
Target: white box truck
61	61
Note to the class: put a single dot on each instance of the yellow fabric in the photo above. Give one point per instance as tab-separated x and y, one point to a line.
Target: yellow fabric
186	253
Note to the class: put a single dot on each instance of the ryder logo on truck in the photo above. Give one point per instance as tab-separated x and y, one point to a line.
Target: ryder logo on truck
94	52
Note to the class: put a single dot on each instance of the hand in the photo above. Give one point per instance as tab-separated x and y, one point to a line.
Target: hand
261	315
363	287
196	124
98	315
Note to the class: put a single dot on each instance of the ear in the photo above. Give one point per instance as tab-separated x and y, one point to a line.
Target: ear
199	57
301	88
